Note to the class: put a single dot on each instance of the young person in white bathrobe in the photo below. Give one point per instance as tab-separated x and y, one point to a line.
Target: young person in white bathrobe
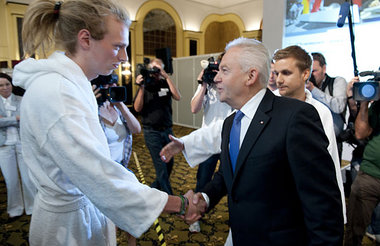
80	188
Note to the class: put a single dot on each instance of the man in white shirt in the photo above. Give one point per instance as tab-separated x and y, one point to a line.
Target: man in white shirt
292	68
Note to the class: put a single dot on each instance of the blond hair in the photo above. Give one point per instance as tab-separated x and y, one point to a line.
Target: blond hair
44	26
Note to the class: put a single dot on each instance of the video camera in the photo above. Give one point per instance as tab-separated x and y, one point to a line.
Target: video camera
112	93
149	74
369	90
209	66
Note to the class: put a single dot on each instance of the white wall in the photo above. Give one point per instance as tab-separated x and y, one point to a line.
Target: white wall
186	71
273	23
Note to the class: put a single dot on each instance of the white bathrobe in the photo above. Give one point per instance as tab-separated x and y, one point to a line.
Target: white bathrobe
64	146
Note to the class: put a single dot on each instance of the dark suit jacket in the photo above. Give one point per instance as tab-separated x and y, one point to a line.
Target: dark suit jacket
284	189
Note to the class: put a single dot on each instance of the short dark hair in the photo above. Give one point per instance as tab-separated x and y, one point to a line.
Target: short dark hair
319	57
18	91
294	51
6	76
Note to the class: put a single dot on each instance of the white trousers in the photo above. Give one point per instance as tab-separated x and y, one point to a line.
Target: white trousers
20	191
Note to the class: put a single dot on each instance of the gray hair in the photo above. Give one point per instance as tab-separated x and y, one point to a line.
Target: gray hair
253	55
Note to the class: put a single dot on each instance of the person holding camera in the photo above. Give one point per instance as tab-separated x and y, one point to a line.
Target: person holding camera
117	121
154	102
348	135
329	91
207	97
365	189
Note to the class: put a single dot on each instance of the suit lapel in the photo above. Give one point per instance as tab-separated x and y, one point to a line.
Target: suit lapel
258	123
225	146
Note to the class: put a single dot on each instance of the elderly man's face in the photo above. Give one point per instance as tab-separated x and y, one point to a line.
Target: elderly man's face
230	80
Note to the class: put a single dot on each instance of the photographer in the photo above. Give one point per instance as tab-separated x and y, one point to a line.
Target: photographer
365	190
117	121
154	102
349	134
329	91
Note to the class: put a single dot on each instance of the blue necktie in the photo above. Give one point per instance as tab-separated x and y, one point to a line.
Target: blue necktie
235	138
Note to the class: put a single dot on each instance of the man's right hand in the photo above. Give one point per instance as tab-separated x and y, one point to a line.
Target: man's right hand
197	207
171	149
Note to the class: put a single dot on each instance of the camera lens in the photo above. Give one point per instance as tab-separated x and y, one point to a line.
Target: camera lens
368	91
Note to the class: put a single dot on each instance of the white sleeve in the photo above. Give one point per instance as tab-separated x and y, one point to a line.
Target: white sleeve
328	127
200	144
336	103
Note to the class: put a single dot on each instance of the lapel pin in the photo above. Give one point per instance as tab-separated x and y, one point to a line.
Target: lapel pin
261	122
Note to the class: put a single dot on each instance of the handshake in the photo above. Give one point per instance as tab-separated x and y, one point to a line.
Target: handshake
195	208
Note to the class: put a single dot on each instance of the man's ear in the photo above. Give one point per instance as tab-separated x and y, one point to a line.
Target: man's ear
252	76
306	75
84	37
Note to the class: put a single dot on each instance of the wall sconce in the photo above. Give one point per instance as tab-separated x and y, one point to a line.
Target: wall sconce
126	70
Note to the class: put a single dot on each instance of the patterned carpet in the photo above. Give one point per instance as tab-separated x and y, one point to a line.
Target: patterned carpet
214	226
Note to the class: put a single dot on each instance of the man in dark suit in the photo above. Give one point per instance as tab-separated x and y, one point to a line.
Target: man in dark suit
282	189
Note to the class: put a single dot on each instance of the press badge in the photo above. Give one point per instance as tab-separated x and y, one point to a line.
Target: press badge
163	92
10	108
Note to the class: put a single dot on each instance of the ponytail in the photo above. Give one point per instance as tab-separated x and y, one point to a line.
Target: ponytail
48	23
39	27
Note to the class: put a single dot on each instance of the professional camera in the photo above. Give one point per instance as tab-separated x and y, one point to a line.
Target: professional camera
348	134
369	90
312	80
149	74
210	67
113	93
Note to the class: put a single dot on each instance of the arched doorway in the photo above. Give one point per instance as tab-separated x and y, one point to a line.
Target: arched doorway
218	34
159	31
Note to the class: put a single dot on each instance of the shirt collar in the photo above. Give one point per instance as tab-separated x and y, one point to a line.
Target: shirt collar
249	109
9	99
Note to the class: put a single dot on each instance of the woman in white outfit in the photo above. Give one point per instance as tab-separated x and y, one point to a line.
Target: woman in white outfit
80	188
20	190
